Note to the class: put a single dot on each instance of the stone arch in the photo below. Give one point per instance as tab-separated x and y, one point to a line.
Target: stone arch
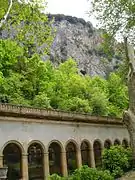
107	143
125	143
117	142
85	152
36	150
71	155
55	148
88	142
97	147
12	157
74	142
13	142
56	141
37	142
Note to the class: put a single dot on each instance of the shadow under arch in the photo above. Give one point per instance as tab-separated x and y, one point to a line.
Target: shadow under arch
107	143
88	142
125	143
13	142
58	142
85	152
71	147
36	151
98	147
117	142
55	149
12	158
37	142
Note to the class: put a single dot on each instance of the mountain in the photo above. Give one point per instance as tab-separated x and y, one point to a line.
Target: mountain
78	39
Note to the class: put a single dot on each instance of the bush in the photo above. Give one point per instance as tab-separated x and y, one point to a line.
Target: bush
116	160
86	173
57	177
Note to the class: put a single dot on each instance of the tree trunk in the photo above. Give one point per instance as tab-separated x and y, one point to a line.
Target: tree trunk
7	13
129	115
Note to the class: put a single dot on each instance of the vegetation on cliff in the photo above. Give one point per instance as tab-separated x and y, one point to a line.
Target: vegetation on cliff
34	82
28	80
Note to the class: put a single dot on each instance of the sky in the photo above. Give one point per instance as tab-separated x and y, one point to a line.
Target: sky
78	8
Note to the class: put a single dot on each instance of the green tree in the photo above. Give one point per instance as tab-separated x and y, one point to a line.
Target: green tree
118	18
113	162
117	95
31	26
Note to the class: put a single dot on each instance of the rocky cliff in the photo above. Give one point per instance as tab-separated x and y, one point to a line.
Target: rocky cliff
78	39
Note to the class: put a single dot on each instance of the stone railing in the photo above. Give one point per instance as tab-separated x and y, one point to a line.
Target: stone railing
38	113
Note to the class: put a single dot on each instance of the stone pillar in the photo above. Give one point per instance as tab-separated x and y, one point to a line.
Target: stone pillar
46	166
102	148
25	175
1	161
64	164
92	158
79	158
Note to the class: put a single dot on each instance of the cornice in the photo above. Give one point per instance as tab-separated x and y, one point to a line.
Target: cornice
17	111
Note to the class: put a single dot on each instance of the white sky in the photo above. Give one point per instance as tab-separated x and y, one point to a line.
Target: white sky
78	8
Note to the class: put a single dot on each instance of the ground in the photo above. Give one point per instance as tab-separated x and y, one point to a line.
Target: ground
129	176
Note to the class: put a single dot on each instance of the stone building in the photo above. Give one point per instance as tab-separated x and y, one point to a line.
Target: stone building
38	142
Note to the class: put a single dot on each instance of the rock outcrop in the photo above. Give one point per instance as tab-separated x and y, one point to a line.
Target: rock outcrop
78	39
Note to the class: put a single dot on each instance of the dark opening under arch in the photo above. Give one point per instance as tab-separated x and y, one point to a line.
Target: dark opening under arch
125	143
107	144
85	153
97	153
71	157
12	156
55	158
35	162
116	142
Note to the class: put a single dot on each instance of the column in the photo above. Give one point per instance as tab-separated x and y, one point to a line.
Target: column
64	164
25	175
92	158
79	158
46	166
1	161
102	148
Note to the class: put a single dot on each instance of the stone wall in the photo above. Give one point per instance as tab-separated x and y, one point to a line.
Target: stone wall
24	126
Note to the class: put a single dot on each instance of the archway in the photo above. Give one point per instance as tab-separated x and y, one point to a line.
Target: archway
125	143
12	156
107	144
85	153
55	158
35	162
71	157
97	153
116	142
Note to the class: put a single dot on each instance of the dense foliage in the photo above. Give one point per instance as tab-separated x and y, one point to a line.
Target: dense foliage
28	26
33	82
117	160
116	17
86	173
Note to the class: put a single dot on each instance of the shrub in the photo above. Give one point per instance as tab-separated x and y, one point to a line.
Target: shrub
57	177
116	160
86	173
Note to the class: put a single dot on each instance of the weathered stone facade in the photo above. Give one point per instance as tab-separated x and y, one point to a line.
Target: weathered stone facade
50	130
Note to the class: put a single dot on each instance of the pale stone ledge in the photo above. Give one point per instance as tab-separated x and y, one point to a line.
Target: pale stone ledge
38	113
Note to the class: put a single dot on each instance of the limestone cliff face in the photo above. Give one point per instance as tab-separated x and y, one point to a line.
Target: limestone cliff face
78	39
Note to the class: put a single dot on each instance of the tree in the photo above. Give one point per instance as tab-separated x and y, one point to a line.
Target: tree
118	19
29	36
4	10
28	25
